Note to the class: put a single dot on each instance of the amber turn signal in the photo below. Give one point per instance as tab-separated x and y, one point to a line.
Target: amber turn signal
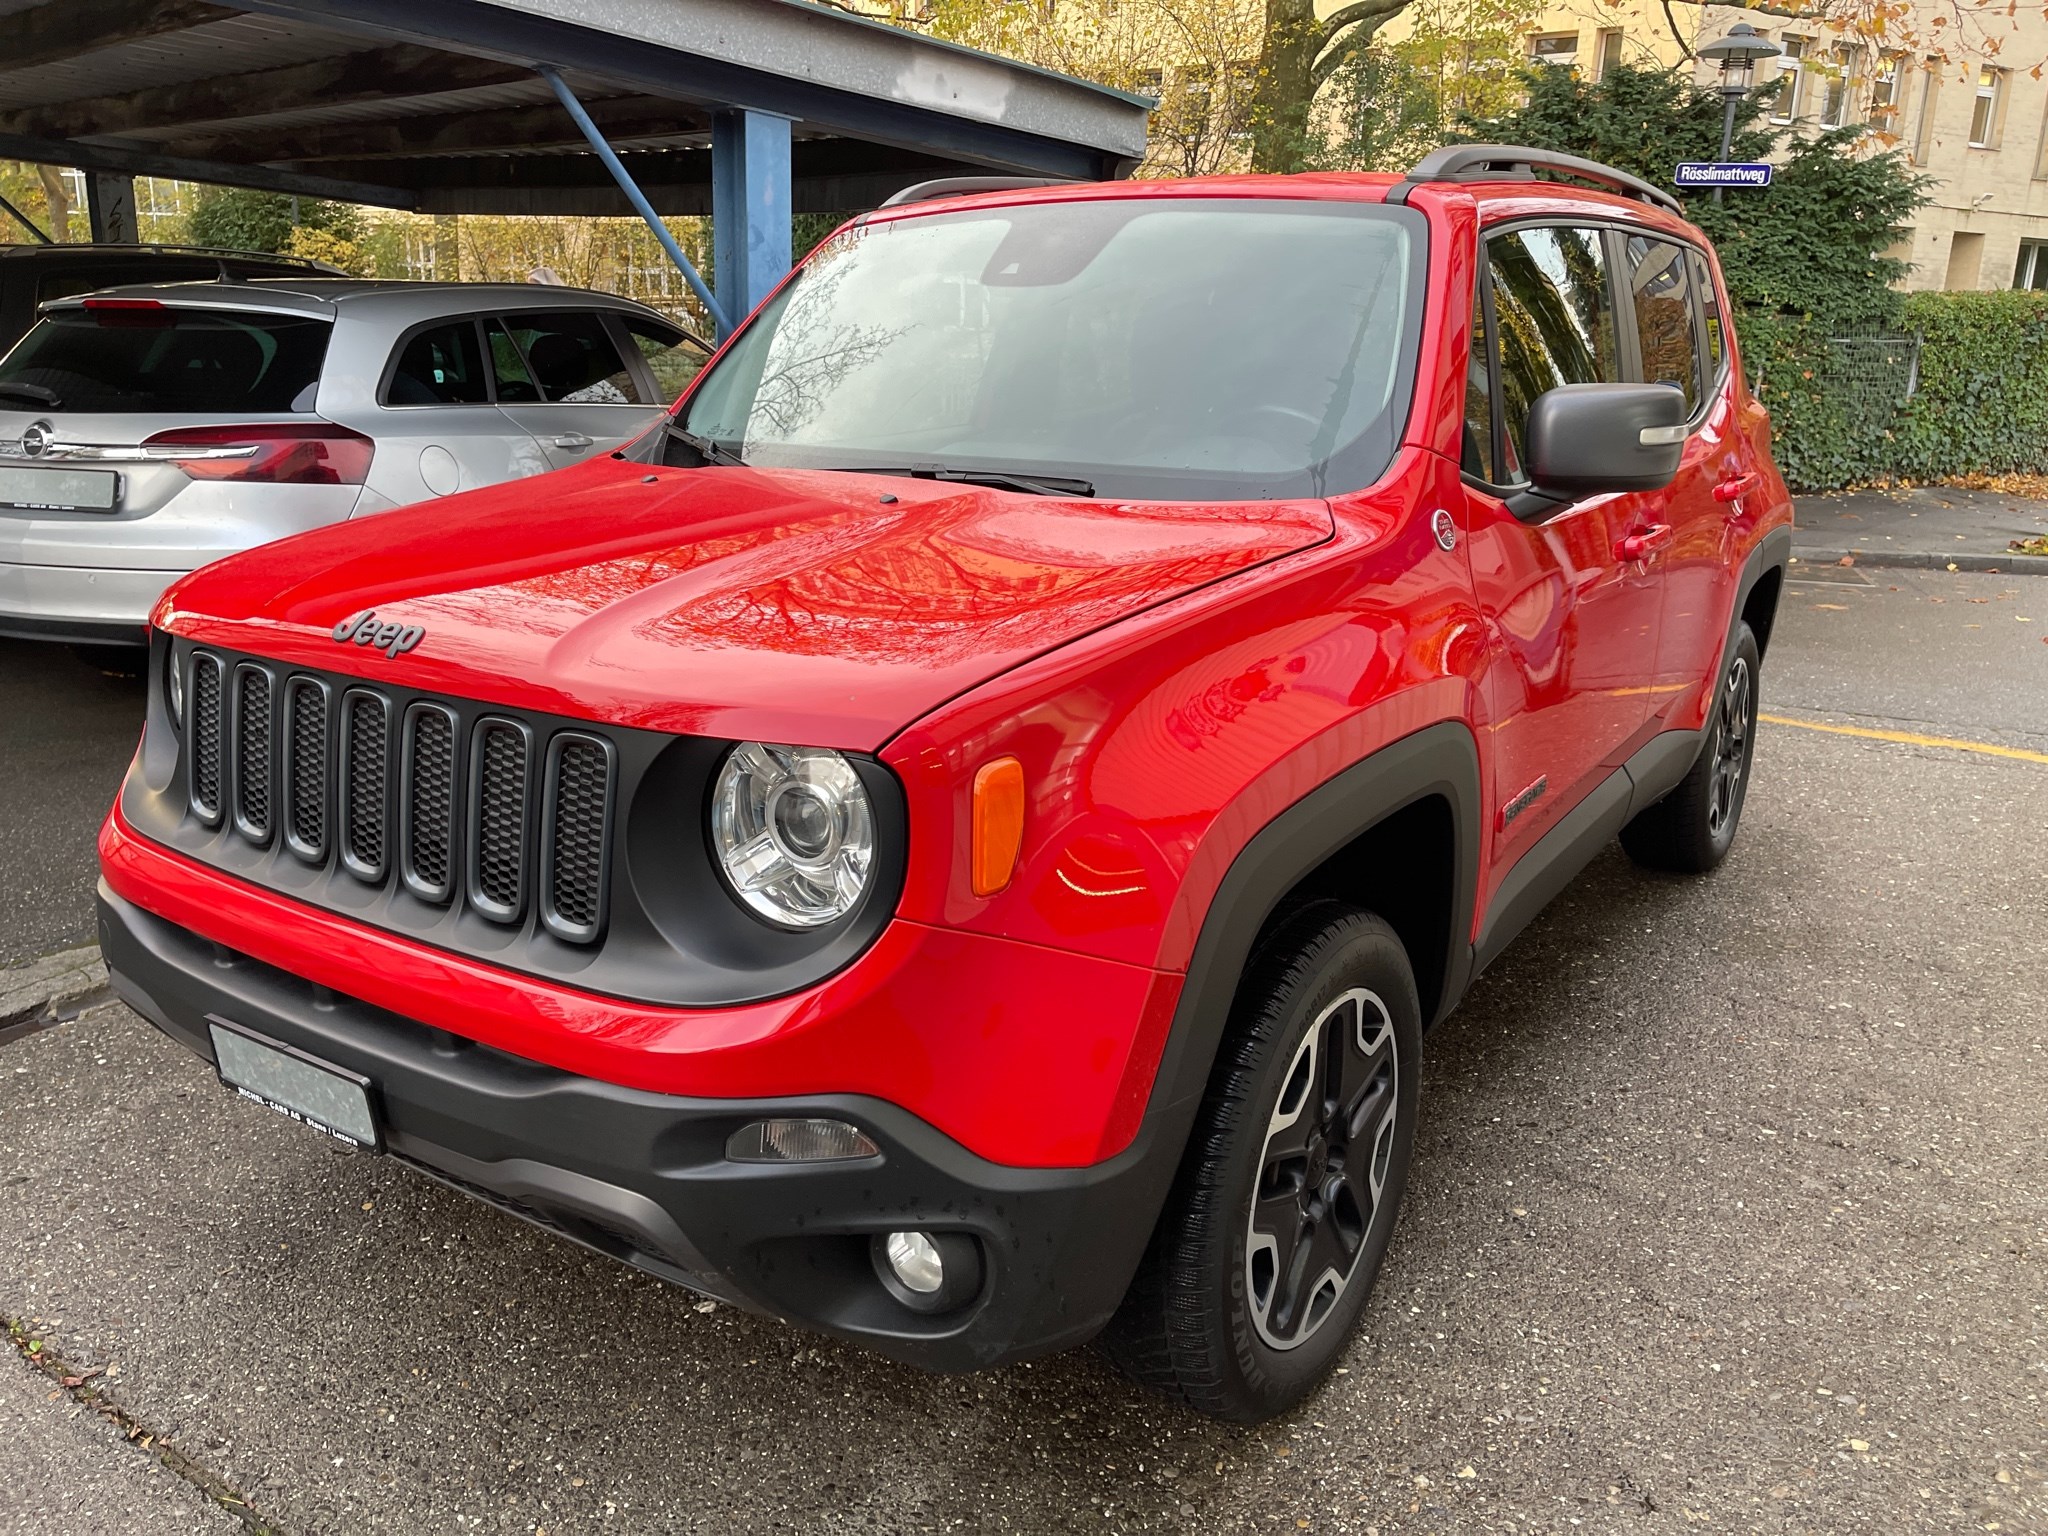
998	823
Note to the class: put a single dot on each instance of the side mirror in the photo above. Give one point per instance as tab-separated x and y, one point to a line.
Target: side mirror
1588	438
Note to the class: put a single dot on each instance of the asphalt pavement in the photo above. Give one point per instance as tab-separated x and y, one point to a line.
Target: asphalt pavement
1729	1212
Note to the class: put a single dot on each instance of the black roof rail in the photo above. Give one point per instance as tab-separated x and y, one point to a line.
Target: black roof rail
960	186
1513	162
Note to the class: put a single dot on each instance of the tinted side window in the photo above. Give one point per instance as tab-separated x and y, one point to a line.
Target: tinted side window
1555	315
1660	278
572	359
673	357
441	366
1476	455
508	368
1710	300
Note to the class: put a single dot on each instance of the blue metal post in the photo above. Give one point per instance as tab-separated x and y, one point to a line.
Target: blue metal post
638	199
750	207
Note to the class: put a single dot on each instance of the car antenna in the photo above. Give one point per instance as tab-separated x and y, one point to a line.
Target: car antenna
225	275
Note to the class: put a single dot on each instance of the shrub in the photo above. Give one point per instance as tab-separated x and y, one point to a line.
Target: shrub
237	220
1982	405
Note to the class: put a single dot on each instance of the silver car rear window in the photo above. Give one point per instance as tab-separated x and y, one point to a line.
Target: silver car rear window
168	360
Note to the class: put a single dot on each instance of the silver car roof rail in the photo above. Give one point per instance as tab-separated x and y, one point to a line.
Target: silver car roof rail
1514	162
961	186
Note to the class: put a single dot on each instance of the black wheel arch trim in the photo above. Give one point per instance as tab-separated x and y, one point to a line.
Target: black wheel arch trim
1438	761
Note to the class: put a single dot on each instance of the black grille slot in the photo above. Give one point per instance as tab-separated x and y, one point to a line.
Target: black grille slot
576	836
366	779
427	790
305	768
205	755
253	753
500	765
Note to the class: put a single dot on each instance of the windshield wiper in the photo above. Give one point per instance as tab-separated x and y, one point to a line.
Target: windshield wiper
35	392
1035	485
707	450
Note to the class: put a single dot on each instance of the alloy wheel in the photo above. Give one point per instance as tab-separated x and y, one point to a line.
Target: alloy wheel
1322	1168
1731	747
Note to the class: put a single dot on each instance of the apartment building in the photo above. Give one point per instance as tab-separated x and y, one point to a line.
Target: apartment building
1974	122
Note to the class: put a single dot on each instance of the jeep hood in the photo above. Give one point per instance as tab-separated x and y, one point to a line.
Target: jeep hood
808	606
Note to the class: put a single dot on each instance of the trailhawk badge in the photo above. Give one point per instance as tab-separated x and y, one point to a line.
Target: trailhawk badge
394	640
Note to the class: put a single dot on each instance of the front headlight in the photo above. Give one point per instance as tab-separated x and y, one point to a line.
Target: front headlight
794	832
174	685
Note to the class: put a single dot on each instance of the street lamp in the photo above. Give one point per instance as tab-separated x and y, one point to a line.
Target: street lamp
1737	54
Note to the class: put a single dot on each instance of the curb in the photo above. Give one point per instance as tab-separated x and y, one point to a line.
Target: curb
1914	560
50	991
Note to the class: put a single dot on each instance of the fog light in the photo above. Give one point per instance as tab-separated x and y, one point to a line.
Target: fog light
799	1141
928	1271
916	1262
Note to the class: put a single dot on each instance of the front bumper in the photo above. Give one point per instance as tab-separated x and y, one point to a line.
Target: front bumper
643	1176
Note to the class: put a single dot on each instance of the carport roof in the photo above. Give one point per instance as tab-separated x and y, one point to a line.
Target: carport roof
434	105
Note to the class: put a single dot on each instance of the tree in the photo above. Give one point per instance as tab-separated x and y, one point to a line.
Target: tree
1394	101
232	218
1297	56
1195	56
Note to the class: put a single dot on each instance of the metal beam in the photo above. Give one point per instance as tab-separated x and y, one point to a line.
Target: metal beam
141	162
501	129
347	79
641	206
828	176
749	209
110	208
913	93
60	30
26	222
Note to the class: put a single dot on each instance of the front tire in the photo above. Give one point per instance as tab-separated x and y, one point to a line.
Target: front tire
1278	1221
1691	829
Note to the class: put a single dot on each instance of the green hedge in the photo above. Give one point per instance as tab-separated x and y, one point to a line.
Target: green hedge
1981	405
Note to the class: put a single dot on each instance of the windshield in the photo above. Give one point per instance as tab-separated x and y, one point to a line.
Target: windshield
1185	348
167	361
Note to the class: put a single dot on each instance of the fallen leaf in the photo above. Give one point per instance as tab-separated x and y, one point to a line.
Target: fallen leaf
1466	1471
1831	607
1846	560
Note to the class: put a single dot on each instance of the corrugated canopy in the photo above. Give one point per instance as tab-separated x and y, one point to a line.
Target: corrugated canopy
434	105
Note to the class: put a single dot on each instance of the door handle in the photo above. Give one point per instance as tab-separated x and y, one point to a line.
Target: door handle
572	440
1644	542
1735	487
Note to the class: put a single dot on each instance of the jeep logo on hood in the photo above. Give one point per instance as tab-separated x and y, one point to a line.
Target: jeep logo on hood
394	640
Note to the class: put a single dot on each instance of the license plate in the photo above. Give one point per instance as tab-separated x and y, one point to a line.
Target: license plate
60	490
304	1088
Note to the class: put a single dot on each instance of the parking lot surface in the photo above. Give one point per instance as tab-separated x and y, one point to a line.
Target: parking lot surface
1729	1212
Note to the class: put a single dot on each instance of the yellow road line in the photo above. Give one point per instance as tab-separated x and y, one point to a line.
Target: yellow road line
1910	738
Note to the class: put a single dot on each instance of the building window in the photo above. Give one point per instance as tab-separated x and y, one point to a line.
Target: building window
1554	48
2033	269
1790	78
1834	88
1930	91
1984	111
1610	51
1887	90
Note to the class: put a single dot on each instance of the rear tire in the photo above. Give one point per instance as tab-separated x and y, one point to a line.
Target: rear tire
1691	829
1279	1218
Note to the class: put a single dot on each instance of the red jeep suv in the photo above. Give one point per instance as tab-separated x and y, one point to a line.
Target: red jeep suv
955	838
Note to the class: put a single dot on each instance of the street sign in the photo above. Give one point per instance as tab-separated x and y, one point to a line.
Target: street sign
1723	173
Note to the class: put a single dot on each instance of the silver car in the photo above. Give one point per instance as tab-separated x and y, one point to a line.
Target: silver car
146	431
